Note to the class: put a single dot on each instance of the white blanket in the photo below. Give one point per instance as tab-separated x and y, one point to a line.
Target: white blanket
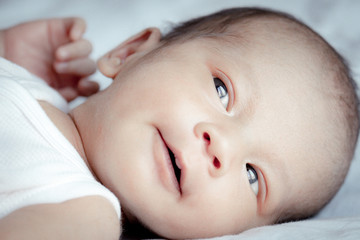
111	21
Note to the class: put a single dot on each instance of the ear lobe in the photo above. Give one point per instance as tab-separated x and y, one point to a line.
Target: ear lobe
111	63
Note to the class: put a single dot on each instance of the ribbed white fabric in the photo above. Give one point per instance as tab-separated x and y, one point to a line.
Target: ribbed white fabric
37	163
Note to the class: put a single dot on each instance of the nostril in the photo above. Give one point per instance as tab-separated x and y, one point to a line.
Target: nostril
216	163
206	137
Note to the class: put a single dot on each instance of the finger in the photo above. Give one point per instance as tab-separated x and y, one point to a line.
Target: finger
78	49
78	67
76	27
87	87
68	93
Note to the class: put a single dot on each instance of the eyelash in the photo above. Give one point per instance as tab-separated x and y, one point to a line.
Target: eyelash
255	184
228	84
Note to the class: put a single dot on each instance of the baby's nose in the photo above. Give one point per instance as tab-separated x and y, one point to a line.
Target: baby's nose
215	144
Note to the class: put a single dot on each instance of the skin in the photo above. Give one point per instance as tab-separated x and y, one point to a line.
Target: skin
169	97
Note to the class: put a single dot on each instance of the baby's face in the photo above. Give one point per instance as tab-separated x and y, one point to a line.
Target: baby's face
236	122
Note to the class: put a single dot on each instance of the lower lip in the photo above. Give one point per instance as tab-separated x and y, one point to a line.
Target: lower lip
164	165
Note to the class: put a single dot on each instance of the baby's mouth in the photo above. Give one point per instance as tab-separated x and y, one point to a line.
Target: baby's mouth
177	170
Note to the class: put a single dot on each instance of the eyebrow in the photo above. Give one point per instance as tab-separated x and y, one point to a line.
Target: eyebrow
274	170
245	88
246	102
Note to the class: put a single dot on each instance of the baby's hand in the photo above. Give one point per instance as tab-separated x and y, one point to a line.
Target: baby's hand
55	51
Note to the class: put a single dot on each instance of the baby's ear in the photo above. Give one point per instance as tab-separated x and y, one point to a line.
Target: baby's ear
111	63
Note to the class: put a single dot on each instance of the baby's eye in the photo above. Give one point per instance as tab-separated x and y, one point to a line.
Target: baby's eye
253	178
222	92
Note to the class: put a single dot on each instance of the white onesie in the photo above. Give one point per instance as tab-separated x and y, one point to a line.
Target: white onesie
37	163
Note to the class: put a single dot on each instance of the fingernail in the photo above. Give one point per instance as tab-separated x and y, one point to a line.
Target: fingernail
63	54
115	61
60	67
76	34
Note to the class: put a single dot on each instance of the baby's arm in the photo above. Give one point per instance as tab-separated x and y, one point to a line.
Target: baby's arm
55	51
83	218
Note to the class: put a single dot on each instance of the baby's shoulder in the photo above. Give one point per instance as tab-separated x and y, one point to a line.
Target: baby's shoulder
65	125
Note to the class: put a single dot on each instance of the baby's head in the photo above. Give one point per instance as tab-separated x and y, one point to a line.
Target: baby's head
257	110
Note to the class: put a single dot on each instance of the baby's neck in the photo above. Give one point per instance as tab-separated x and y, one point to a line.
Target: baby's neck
66	126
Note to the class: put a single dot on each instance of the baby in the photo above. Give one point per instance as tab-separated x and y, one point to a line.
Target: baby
239	119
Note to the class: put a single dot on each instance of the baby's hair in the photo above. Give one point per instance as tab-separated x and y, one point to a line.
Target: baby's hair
341	88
